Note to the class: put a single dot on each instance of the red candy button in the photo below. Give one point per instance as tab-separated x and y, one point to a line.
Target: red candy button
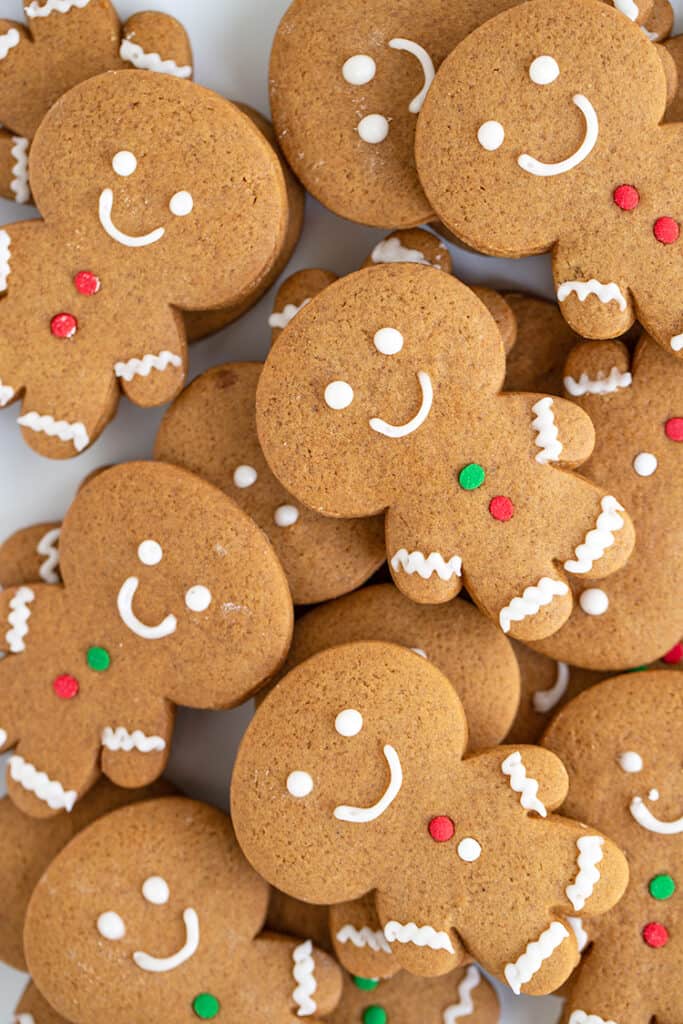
441	829
65	687
655	935
674	428
666	230
501	508
87	283
675	655
64	325
626	197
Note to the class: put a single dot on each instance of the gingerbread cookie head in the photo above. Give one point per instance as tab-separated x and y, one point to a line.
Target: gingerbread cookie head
371	386
171	595
159	906
542	129
365	789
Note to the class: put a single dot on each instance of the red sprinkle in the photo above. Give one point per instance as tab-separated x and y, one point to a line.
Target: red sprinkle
501	508
655	935
666	230
441	829
64	325
674	428
675	655
66	687
626	197
87	283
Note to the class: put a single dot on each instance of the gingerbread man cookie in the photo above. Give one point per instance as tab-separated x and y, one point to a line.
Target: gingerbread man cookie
621	744
384	393
171	595
365	789
153	913
93	290
538	128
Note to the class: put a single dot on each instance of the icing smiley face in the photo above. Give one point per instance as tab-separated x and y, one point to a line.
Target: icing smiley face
124	165
630	761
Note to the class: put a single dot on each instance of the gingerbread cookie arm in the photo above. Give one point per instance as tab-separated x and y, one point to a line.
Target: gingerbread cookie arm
599	874
594	302
307	981
14	166
155	374
31	554
426	567
152	41
17	606
137	743
560	433
596	371
64	24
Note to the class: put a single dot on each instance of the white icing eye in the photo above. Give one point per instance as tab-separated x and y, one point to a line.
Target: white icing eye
110	926
286	515
181	204
630	761
418	650
469	850
388	341
374	128
348	722
653	795
645	464
198	598
150	553
594	601
299	784
155	890
491	135
124	163
244	476
338	395
359	69
544	70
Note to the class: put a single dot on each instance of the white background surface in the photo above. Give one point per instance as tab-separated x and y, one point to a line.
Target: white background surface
231	41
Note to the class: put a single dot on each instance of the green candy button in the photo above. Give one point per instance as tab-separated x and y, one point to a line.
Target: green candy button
471	476
206	1006
375	1015
365	984
98	659
662	887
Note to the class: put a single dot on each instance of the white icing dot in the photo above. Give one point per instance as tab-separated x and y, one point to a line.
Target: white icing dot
544	70
469	850
244	476
418	650
124	163
155	890
150	553
286	515
110	926
388	341
348	722
645	463
491	135
338	394
198	598
630	761
374	128
594	601
299	784
181	204
653	795
359	69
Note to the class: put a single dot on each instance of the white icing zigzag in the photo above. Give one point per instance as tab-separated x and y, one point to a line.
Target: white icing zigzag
424	936
47	547
604	293
464	1007
19	183
24	1018
390	250
581	1017
135	55
65	431
3	737
304	976
531	601
121	739
580	933
531	961
545	700
5	256
600	385
18	618
8	40
50	791
286	315
415	562
38	10
143	367
365	938
590	855
547	434
513	767
598	540
6	394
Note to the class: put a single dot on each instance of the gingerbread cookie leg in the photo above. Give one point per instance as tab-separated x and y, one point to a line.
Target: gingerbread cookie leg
606	991
153	41
137	743
156	374
427	571
427	947
44	780
14	167
60	425
593	304
310	976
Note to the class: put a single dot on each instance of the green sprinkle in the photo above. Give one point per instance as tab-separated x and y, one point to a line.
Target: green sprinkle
365	984
375	1015
206	1006
98	659
471	476
662	887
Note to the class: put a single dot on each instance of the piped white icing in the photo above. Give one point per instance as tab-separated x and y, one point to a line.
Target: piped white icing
18	617
364	938
363	815
532	600
120	739
3	737
124	604
421	936
646	819
413	562
464	1006
50	791
604	293
404	429
104	210
373	128
630	761
42	10
545	700
598	540
286	314
156	890
580	934
6	394
520	782
62	429
24	1018
600	385
580	1016
8	40
588	876
143	367
631	10
391	250
547	434
304	976
19	182
135	55
542	170
676	342
593	601
535	954
427	65
5	256
160	965
48	550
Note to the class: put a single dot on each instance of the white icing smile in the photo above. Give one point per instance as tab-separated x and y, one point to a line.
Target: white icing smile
361	815
647	820
124	603
533	166
132	241
159	965
391	430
